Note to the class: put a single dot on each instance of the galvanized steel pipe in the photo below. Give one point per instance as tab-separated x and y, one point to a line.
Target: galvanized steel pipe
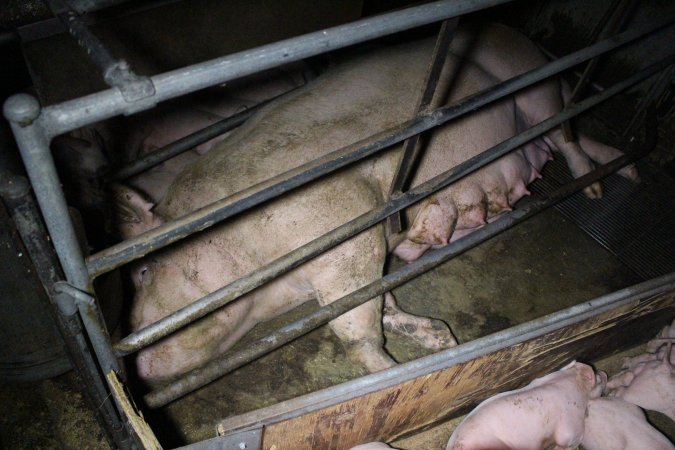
73	114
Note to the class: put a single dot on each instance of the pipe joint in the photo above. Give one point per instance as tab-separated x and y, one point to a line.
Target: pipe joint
21	109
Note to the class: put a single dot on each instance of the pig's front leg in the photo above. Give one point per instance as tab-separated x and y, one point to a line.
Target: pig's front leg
350	266
429	333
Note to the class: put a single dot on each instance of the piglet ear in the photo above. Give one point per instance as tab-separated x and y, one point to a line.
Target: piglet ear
433	224
586	374
133	212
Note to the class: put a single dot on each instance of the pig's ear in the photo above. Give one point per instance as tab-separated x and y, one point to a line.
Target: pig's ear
133	212
433	224
587	375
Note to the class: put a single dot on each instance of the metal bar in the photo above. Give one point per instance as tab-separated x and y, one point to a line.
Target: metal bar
73	114
616	20
102	402
596	87
15	191
613	19
224	295
412	148
116	72
96	330
165	234
227	363
186	143
22	111
650	97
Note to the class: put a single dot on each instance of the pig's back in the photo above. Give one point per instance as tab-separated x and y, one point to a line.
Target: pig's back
350	102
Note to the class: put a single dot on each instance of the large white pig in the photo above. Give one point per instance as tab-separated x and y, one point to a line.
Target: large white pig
351	101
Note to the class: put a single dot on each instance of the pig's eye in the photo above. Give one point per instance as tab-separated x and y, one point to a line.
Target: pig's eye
142	275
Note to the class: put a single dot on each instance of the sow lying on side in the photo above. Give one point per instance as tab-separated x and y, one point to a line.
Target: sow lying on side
351	101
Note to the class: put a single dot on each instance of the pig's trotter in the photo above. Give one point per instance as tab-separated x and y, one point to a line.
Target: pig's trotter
370	354
430	333
603	154
578	162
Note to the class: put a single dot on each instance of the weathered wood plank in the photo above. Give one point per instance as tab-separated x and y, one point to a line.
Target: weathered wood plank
420	402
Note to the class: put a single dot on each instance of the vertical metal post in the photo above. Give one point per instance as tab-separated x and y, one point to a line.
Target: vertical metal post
413	147
23	113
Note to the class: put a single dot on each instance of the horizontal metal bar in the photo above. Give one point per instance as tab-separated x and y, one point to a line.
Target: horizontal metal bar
186	143
224	295
229	362
73	114
165	234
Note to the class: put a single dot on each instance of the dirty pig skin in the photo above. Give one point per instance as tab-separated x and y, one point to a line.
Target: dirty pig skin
351	101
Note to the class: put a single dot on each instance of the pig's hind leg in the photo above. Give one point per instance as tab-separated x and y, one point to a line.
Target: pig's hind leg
429	333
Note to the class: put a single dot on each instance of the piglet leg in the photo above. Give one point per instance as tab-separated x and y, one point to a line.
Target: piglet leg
430	333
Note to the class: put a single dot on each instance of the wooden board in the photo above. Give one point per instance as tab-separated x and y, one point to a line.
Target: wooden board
134	418
424	400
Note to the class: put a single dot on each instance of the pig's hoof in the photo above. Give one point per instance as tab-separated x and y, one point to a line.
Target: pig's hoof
594	191
429	333
630	172
371	355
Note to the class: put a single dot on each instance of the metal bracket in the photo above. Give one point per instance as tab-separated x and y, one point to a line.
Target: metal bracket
116	72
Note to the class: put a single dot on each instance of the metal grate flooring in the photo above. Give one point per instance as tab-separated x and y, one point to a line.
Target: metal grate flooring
635	222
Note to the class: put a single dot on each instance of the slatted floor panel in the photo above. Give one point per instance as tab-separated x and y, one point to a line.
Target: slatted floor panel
635	222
